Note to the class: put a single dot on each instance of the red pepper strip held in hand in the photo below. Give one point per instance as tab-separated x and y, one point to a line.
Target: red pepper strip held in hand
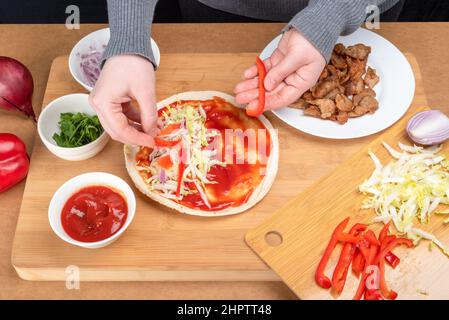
181	168
346	256
14	161
261	80
387	292
321	279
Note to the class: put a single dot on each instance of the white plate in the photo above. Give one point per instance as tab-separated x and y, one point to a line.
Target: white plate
395	91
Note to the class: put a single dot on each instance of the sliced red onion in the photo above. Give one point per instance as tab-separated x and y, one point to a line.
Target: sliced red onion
429	127
163	176
90	64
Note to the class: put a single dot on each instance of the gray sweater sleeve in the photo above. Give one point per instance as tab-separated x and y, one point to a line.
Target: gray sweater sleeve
130	25
322	22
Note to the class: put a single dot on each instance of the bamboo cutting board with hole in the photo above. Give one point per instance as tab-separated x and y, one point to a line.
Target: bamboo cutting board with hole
160	244
293	239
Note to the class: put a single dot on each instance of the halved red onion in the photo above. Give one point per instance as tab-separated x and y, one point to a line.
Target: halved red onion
16	87
429	127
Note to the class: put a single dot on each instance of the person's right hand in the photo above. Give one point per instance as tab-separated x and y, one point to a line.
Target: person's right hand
125	78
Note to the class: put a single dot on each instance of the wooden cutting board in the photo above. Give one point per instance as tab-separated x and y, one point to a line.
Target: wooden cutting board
293	239
160	244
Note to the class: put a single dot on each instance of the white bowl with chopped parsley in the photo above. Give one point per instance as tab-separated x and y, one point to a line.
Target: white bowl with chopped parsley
69	128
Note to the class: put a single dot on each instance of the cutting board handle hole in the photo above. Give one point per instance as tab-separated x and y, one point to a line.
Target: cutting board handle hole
273	238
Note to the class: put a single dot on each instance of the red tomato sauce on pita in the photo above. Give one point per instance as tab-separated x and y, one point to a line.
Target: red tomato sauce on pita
241	175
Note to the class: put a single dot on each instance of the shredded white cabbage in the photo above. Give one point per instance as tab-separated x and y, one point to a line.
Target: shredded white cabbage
199	153
408	189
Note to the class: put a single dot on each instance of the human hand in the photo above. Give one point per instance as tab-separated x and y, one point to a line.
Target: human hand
293	68
124	78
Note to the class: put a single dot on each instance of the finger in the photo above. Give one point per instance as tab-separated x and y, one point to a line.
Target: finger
276	57
246	85
131	112
119	128
282	98
255	103
288	65
247	96
251	72
148	112
300	82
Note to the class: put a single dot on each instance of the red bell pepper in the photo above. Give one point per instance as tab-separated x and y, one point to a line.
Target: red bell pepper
170	129
372	239
321	279
369	252
392	259
262	72
384	232
14	161
347	237
387	247
373	294
181	168
160	142
165	162
358	264
346	256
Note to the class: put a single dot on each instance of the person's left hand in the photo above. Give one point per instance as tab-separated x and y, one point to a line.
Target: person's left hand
293	68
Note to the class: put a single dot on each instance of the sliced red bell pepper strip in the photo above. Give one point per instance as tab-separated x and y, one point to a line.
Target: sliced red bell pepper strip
181	168
262	72
392	259
165	162
386	291
358	263
160	142
369	252
384	232
346	256
372	239
321	279
169	129
346	237
373	294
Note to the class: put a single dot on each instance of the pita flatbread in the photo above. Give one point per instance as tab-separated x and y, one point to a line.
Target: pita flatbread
256	196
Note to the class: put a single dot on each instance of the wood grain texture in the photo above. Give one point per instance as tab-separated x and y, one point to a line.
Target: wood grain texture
161	244
306	223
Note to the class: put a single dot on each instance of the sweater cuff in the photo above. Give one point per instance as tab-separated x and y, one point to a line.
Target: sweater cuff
130	26
322	22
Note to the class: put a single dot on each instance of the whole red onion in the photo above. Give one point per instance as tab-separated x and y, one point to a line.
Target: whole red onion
16	87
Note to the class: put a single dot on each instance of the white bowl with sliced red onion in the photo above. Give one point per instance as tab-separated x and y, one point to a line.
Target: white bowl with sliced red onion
85	57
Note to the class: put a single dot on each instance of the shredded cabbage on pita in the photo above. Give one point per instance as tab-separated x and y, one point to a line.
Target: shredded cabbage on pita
194	138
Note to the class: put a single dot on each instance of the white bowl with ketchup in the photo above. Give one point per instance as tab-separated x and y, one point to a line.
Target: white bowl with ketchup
92	210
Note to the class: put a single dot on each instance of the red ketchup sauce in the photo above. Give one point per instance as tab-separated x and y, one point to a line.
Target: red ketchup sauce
94	213
236	181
